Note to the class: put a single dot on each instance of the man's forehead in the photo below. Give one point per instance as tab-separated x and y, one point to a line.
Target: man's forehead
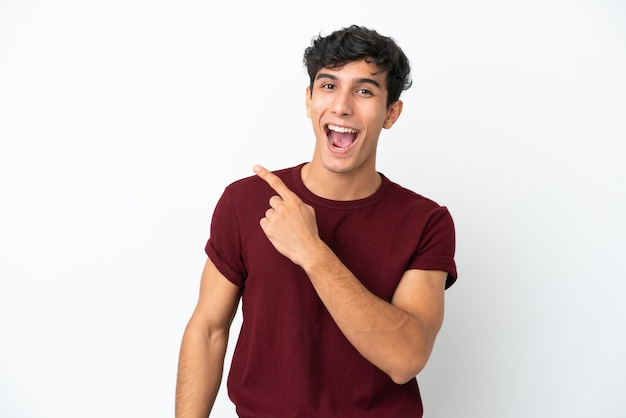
363	72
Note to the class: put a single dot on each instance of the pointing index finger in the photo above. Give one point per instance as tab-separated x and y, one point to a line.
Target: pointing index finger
273	180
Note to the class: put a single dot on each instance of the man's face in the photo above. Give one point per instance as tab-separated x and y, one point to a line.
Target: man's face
348	109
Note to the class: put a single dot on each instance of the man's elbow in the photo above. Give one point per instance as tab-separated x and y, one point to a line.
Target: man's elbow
405	372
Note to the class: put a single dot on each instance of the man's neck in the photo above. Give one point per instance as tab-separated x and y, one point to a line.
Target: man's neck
340	186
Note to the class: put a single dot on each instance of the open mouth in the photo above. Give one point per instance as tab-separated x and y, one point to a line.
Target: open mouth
341	138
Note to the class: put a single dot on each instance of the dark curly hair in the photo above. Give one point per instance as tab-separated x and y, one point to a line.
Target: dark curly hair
354	43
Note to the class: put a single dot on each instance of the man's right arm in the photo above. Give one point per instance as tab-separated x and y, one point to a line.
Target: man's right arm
204	344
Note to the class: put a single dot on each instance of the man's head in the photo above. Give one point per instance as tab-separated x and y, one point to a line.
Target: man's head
355	43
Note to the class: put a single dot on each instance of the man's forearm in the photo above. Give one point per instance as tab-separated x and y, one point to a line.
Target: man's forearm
200	367
390	338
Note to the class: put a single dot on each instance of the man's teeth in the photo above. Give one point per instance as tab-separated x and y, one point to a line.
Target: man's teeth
342	130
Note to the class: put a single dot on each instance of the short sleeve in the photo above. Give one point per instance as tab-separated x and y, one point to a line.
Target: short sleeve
436	247
224	244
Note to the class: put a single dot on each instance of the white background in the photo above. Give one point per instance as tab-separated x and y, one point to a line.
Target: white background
122	121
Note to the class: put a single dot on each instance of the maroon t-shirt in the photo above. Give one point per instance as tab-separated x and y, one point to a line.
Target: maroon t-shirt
291	359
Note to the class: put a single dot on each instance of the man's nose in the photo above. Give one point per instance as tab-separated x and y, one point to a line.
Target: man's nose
342	105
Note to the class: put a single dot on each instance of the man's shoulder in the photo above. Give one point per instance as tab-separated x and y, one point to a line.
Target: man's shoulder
400	193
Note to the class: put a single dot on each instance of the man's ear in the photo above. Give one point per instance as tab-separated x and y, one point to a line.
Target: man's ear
307	102
393	113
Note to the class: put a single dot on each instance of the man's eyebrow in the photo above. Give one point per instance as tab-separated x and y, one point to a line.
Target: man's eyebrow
325	75
357	81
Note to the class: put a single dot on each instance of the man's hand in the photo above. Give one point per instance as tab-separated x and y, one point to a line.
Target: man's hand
289	223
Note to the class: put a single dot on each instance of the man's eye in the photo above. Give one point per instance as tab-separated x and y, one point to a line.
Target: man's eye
328	86
364	91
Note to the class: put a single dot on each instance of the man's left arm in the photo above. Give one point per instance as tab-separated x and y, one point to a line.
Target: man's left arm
397	337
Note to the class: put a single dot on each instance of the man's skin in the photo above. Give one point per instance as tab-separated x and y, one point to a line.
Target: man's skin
396	336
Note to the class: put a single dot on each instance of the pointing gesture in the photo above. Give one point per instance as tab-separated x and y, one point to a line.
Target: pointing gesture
289	223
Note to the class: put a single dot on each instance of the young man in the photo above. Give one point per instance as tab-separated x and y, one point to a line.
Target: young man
340	271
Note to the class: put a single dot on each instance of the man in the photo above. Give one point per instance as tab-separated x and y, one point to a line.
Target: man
340	271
